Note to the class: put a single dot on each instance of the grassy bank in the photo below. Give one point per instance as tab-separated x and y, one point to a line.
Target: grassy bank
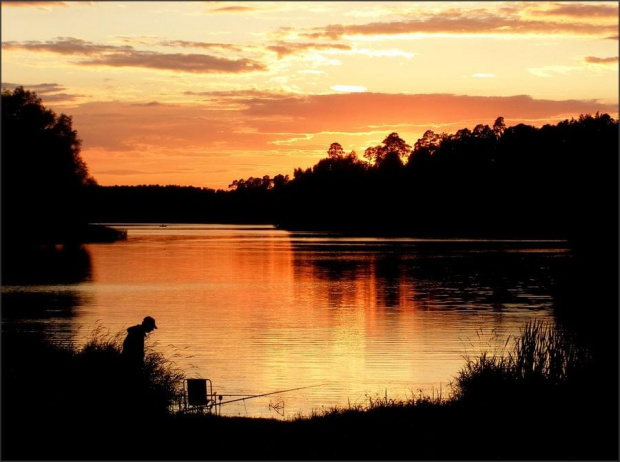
538	399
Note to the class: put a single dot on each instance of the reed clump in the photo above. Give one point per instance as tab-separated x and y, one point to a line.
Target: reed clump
543	364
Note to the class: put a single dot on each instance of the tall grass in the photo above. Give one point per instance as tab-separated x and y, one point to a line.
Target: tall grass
544	352
542	361
151	390
91	382
378	403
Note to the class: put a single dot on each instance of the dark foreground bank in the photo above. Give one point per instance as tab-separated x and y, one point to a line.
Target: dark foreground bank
64	403
573	432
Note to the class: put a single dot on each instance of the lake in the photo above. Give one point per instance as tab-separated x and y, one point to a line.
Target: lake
258	309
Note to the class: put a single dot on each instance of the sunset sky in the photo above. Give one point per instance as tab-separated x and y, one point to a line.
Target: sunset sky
202	93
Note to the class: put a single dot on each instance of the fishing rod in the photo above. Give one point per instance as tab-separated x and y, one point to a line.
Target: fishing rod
267	394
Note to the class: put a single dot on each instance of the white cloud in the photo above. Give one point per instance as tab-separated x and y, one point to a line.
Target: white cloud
393	53
349	88
548	71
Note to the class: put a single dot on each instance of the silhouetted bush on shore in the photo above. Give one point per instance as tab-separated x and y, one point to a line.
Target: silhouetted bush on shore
88	382
541	364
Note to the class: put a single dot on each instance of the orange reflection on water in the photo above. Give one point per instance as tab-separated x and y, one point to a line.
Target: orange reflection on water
258	310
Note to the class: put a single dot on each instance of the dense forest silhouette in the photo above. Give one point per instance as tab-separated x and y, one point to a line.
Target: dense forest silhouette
496	182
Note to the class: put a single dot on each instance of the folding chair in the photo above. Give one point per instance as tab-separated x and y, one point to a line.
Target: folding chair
199	396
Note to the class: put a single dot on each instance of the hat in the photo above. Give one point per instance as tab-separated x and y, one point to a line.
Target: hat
150	321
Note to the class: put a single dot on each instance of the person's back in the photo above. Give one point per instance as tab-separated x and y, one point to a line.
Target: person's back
133	346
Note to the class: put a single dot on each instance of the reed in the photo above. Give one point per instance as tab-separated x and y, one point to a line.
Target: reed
541	359
544	352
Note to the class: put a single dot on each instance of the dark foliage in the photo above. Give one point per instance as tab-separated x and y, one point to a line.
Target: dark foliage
43	173
63	402
501	182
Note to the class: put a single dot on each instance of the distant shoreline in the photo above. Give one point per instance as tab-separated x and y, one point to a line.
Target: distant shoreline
357	233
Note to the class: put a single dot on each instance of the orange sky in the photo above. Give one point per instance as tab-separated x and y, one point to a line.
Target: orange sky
202	93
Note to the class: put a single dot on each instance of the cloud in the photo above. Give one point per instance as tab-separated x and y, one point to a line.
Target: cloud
60	97
40	88
238	100
458	23
44	5
204	45
48	92
65	46
605	61
180	62
393	53
482	75
241	94
349	88
351	111
285	49
127	56
149	104
258	115
580	10
232	9
548	71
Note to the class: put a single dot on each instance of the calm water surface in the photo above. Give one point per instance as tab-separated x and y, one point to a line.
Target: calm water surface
257	309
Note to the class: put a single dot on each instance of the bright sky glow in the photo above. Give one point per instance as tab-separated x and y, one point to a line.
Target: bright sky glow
202	93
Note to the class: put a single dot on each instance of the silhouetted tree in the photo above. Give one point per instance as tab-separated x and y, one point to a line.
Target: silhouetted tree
393	143
279	181
339	164
335	151
499	127
42	171
430	141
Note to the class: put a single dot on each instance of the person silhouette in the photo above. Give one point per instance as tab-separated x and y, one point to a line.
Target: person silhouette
133	346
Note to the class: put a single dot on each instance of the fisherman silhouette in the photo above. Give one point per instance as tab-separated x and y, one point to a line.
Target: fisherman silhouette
133	346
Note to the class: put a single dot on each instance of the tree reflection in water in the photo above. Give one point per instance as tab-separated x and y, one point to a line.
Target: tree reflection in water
38	292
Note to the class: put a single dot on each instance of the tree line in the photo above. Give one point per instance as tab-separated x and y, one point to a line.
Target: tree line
557	181
496	181
492	181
